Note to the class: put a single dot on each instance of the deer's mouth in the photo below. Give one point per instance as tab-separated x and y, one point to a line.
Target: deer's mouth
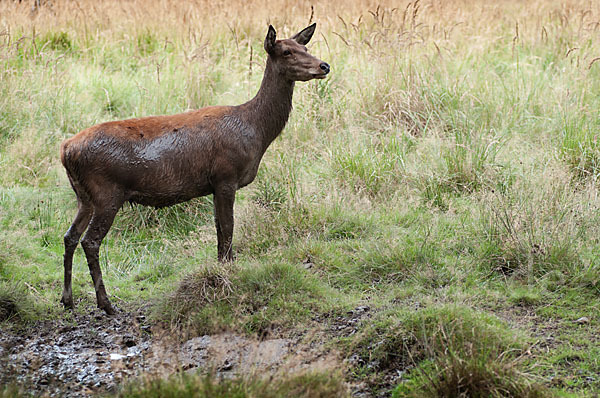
319	75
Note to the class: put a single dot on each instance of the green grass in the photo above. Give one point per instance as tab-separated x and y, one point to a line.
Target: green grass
448	349
445	175
16	305
309	385
466	354
11	391
252	297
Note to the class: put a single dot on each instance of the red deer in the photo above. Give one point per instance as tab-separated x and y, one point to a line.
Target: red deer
164	160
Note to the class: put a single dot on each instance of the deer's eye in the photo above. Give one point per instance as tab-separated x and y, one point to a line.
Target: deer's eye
286	53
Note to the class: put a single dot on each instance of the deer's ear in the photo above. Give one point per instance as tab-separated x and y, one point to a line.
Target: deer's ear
270	40
304	36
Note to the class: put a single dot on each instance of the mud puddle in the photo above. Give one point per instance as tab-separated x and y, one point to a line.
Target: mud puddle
89	353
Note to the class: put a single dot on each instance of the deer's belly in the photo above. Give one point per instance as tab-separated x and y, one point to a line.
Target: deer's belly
168	196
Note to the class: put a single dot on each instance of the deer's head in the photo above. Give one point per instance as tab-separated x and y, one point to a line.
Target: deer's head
291	59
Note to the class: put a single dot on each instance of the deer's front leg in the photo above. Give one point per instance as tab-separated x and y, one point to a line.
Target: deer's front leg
224	198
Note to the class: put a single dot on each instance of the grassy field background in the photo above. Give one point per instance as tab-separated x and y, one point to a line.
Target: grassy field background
445	175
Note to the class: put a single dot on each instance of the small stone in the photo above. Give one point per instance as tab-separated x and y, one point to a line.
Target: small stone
227	365
307	263
116	357
583	320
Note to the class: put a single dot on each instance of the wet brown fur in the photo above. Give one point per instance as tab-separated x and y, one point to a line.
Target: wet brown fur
164	160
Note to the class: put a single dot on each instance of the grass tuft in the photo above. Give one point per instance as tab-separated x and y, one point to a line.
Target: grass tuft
580	147
455	352
524	296
12	391
528	233
464	375
301	385
57	41
256	298
398	340
16	305
208	285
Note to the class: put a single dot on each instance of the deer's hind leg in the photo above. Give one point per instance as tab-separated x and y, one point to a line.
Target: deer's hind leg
84	213
102	220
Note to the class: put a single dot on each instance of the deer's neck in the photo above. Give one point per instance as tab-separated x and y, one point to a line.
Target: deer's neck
269	110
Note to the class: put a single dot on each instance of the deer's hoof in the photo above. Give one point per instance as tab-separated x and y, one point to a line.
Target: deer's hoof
107	308
227	258
110	311
67	302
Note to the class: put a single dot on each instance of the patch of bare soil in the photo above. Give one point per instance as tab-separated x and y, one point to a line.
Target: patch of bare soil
381	383
552	335
93	353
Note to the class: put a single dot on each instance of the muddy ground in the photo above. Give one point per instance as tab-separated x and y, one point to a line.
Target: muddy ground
88	352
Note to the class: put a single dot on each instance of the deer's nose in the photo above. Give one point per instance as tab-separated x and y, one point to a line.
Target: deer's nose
324	67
